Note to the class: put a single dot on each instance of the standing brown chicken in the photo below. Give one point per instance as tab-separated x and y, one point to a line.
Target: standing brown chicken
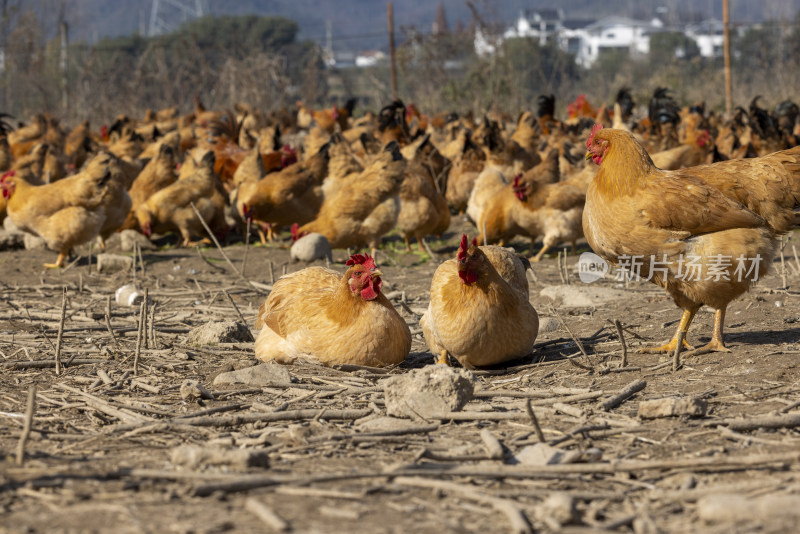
703	233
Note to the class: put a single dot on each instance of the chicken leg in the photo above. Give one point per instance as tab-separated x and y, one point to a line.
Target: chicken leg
59	262
683	327
443	359
541	252
716	344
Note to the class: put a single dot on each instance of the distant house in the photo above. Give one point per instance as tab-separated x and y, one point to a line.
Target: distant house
485	42
615	33
543	25
369	58
709	36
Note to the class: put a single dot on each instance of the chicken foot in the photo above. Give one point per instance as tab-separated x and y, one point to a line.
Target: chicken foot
716	344
443	359
683	327
59	262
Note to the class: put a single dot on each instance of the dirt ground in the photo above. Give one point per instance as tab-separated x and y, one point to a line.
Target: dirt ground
319	454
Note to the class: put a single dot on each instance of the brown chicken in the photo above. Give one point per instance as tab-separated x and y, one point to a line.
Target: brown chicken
364	211
704	233
693	150
171	207
353	322
479	312
66	213
22	139
468	163
423	209
535	205
156	175
293	195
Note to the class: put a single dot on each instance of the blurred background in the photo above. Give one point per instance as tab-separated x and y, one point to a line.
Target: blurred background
98	58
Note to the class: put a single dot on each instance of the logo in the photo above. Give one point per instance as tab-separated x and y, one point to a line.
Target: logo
591	267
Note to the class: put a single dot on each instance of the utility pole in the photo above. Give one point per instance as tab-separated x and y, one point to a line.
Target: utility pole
726	20
64	65
392	56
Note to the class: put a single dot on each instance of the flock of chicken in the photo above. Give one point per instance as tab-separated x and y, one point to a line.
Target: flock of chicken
354	180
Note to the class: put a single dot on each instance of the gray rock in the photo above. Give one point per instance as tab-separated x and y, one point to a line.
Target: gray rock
192	389
256	375
548	324
11	240
219	332
9	226
383	423
544	454
311	247
672	406
432	390
557	510
34	242
194	456
583	296
735	508
112	263
127	238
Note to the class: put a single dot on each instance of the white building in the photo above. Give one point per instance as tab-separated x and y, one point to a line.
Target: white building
615	33
370	58
709	36
543	25
587	39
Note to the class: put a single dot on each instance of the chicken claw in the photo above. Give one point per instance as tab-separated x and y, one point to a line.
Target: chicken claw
669	348
443	358
58	264
716	344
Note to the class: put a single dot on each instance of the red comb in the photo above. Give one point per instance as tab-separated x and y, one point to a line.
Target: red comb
462	249
362	259
597	127
7	174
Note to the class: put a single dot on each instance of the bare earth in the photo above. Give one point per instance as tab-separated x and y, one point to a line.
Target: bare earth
99	457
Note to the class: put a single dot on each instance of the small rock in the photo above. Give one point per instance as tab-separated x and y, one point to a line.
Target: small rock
432	390
544	454
194	456
383	423
192	389
256	375
311	247
548	324
127	238
730	508
128	295
672	406
112	263
11	240
34	242
10	227
557	510
583	296
219	332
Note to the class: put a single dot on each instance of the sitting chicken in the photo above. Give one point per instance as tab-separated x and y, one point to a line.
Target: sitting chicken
479	311
335	319
703	233
66	213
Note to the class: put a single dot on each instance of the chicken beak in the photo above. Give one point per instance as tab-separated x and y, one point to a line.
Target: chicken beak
589	156
375	273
